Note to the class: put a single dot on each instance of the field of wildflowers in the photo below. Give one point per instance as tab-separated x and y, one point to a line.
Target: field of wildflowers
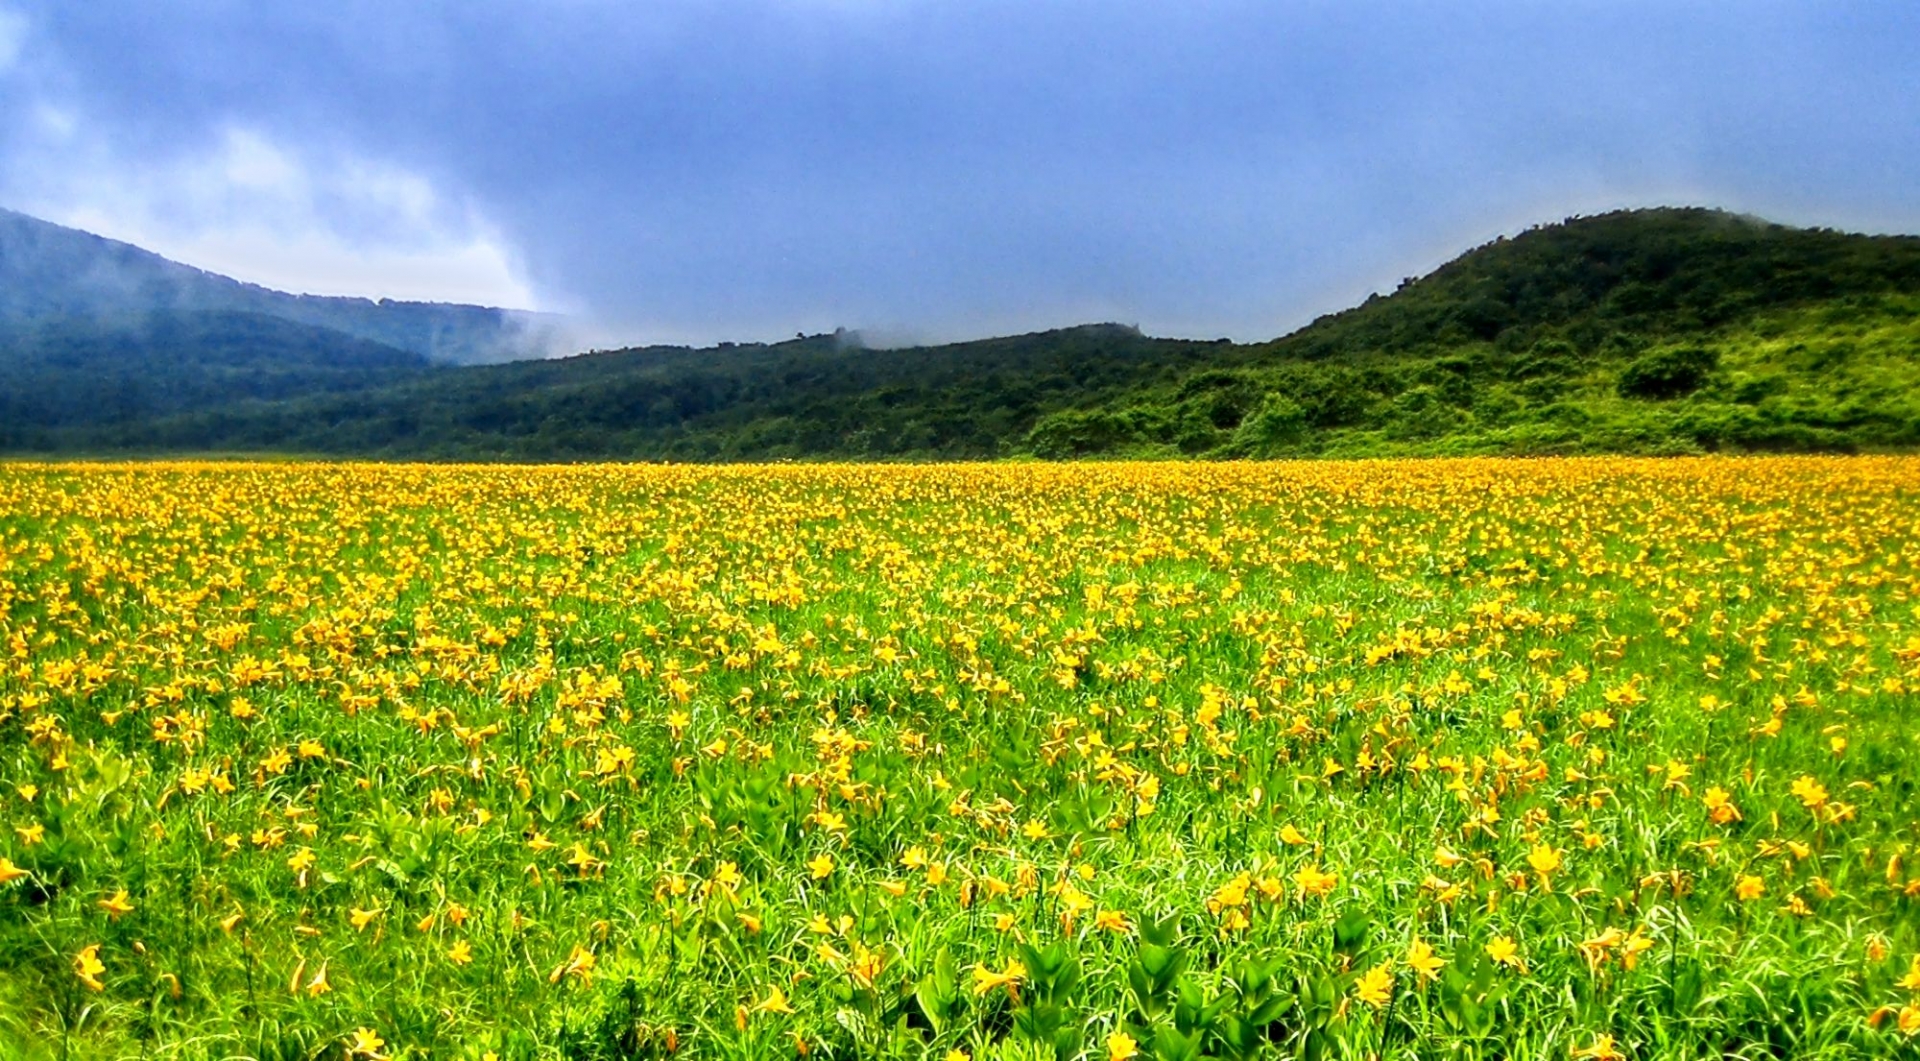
1521	759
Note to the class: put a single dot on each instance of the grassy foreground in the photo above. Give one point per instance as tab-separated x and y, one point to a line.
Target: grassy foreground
1522	759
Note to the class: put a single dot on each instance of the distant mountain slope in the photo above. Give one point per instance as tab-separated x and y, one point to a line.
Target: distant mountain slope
91	377
1639	331
53	274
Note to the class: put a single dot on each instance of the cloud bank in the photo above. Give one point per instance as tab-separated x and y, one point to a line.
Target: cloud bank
696	170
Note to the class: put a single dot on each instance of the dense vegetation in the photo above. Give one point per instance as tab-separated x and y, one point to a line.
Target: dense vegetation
818	396
1655	330
1641	331
1581	760
82	376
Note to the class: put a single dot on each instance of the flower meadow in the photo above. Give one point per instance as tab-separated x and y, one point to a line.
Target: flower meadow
1594	758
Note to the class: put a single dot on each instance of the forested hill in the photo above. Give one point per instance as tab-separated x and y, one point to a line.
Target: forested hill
1637	331
1646	331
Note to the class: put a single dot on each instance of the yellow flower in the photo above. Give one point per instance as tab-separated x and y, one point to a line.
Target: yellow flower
1073	903
1809	791
1630	950
866	966
10	872
1544	859
460	953
1720	808
117	905
582	859
1598	949
1750	888
1422	960
830	821
1231	894
88	967
1121	1046
579	963
985	979
366	1043
1313	881
775	1002
1111	921
362	918
1601	1049
821	866
1290	835
1911	981
1504	951
1375	986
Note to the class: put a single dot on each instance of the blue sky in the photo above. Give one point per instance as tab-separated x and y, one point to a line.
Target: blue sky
746	169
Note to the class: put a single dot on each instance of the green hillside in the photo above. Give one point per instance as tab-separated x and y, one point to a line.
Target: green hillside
1643	331
84	378
1669	330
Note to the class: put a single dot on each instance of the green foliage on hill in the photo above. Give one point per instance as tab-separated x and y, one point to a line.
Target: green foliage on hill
812	397
87	380
1642	331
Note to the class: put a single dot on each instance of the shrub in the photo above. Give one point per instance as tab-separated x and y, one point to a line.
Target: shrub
1667	374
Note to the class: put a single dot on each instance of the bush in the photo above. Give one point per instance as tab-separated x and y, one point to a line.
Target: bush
1083	432
1278	423
1667	374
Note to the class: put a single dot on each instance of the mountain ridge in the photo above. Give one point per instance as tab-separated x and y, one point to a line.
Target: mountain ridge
51	271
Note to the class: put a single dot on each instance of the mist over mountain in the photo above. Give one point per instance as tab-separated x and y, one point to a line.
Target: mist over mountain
55	276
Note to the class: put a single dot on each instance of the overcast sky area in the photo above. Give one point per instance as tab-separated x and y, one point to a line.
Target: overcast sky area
747	169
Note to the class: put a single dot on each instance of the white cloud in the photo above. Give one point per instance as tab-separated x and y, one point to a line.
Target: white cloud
319	263
249	162
248	206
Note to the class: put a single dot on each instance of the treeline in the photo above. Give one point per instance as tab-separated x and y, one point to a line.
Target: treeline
812	397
